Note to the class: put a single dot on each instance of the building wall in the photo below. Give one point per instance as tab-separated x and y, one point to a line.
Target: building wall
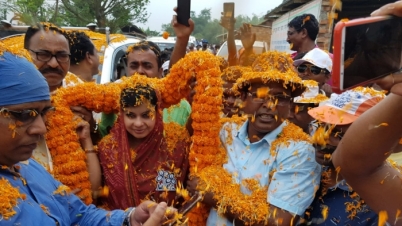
263	33
325	32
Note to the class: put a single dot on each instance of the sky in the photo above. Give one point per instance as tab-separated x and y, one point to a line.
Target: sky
161	11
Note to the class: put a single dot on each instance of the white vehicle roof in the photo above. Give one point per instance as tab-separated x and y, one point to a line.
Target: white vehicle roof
161	39
258	46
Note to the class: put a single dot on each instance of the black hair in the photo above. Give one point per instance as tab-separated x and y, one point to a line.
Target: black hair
80	45
32	30
307	21
147	45
131	97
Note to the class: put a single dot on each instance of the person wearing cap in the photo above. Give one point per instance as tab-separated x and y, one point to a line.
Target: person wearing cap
255	150
29	194
315	65
91	26
369	142
165	68
302	104
341	203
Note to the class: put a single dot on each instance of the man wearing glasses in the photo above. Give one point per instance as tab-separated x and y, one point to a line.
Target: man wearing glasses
315	65
50	52
335	202
30	195
288	170
49	47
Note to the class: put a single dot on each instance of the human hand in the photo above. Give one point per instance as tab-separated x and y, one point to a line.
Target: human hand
388	81
182	31
149	213
82	128
247	37
192	184
389	9
327	89
83	113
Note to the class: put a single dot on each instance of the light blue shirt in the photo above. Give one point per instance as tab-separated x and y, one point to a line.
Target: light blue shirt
66	209
292	185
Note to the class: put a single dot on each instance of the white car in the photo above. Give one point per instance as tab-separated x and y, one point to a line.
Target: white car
259	47
163	43
114	63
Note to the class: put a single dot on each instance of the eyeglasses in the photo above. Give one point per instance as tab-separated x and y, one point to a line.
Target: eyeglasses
26	116
313	69
296	108
45	56
279	99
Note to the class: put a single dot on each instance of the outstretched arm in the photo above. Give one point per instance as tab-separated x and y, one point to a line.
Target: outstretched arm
361	154
232	51
182	35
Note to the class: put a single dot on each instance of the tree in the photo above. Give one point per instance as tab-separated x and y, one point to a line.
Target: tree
30	11
208	28
168	28
111	13
151	32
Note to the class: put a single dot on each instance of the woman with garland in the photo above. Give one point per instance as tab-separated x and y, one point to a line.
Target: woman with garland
270	175
142	157
29	194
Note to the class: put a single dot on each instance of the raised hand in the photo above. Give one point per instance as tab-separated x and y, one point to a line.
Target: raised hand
247	37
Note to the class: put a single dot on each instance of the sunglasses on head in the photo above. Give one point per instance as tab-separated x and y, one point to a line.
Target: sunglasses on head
313	69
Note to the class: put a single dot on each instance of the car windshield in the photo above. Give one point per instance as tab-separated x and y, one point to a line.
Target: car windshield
164	45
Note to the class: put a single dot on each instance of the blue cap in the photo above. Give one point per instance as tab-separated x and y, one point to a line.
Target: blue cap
20	81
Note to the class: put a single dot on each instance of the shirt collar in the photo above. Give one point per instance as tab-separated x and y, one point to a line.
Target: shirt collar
242	134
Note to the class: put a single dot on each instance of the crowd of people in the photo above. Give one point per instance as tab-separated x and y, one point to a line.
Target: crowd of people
291	152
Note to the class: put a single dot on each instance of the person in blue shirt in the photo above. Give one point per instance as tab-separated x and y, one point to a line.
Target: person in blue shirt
266	148
336	203
29	194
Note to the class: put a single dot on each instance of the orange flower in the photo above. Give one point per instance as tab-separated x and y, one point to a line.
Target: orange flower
165	35
9	199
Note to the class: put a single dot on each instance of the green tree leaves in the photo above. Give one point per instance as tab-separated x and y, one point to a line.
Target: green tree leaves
208	28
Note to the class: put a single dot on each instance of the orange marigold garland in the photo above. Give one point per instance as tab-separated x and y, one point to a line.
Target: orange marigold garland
252	207
63	142
9	199
68	157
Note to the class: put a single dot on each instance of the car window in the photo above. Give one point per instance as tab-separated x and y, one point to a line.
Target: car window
118	69
163	45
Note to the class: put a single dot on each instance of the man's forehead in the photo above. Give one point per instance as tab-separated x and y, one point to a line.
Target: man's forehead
142	56
49	40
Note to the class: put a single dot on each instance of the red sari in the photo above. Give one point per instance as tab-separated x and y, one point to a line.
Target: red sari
154	172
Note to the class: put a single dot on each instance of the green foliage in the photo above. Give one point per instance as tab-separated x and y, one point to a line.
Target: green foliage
112	13
208	28
30	11
78	13
151	33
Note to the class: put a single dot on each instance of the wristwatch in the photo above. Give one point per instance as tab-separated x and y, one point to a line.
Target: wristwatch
126	221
